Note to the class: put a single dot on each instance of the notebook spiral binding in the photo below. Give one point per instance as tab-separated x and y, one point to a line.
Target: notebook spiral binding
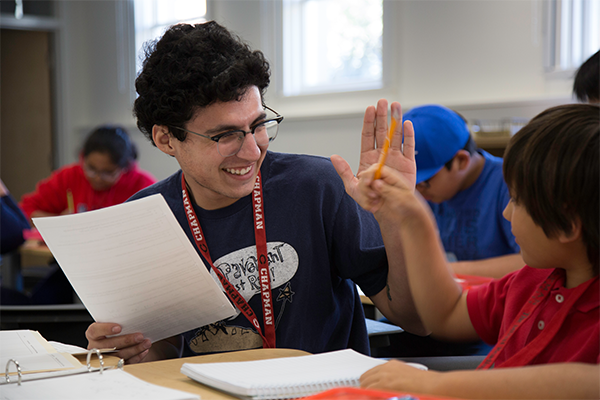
295	391
90	352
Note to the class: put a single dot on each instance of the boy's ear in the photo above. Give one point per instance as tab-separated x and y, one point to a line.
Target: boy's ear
162	138
574	234
463	158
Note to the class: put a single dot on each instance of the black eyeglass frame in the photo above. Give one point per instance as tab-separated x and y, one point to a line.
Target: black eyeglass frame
216	138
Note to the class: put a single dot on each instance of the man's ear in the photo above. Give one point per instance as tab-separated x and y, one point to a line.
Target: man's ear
574	234
162	138
463	159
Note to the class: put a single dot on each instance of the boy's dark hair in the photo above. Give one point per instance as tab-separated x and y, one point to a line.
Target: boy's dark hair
114	141
470	146
585	86
551	168
191	67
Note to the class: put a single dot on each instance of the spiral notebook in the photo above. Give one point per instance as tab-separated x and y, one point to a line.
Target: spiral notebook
283	378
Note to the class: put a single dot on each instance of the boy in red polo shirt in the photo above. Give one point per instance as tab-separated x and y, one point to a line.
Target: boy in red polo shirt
543	319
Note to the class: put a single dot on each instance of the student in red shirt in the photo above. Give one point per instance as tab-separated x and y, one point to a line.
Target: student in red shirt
543	319
106	174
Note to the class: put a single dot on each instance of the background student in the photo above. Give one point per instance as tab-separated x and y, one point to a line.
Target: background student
12	224
106	174
545	317
586	87
466	192
12	220
201	100
54	288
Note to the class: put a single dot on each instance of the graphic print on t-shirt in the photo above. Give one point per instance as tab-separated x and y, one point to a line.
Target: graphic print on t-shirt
240	269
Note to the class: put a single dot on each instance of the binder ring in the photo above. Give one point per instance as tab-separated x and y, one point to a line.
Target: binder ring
19	374
89	356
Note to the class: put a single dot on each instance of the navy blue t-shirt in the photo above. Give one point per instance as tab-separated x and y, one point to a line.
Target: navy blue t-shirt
319	241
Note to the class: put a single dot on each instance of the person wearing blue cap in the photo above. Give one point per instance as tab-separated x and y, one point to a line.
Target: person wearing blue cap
466	192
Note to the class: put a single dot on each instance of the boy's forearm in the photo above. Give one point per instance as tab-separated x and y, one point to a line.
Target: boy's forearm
495	267
432	285
549	381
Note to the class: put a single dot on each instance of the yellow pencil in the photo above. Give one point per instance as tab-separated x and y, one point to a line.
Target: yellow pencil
71	204
386	148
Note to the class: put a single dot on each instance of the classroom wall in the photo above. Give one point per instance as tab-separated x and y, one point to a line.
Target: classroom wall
95	78
482	58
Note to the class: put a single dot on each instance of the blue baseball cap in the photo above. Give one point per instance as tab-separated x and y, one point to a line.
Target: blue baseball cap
439	134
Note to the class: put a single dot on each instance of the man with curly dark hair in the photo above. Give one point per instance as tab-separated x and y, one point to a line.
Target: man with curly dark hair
292	272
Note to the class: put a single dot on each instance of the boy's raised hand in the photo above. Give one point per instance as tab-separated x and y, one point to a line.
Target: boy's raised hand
392	197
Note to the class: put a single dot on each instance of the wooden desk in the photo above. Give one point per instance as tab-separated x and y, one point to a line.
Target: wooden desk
368	307
34	253
366	300
166	373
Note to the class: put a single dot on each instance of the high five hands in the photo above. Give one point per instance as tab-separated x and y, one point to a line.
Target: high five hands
401	156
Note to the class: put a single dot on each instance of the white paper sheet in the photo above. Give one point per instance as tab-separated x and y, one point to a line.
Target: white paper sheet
67	348
112	384
32	352
132	264
23	342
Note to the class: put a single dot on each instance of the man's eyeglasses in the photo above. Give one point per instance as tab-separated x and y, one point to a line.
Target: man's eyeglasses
104	175
229	143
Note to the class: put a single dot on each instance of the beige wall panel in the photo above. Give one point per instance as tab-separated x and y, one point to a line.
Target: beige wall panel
26	111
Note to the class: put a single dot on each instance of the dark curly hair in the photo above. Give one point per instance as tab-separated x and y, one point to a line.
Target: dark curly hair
191	67
551	167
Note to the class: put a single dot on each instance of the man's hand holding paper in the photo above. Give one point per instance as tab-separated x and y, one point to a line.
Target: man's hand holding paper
133	265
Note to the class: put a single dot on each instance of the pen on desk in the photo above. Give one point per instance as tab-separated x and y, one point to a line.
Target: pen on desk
386	145
70	203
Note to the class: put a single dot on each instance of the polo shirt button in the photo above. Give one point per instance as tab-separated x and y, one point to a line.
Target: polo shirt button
541	325
559	298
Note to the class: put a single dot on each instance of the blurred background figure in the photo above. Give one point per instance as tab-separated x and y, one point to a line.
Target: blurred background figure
585	86
12	221
106	174
12	224
464	187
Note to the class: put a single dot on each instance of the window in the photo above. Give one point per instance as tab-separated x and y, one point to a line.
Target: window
153	17
572	33
332	46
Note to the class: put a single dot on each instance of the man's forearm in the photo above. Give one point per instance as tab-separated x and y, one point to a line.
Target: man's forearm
396	302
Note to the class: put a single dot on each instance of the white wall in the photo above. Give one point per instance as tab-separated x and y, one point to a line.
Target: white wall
480	57
96	79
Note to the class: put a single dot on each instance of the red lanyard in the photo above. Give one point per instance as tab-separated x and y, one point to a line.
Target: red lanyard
263	262
533	348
